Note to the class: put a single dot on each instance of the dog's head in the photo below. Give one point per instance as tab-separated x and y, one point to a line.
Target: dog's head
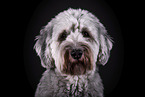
73	42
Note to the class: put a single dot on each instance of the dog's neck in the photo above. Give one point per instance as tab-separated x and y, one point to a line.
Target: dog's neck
76	84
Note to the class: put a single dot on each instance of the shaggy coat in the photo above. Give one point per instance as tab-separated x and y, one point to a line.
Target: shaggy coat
52	84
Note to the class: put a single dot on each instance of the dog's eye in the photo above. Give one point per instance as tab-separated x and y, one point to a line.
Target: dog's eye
62	36
85	33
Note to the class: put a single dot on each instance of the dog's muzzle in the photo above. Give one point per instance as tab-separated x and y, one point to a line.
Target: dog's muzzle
77	60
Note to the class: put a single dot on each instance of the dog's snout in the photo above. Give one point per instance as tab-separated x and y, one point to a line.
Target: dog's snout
76	53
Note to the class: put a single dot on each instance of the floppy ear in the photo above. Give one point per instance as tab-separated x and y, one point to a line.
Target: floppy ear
105	46
42	46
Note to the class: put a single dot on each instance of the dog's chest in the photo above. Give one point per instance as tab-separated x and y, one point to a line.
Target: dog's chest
76	86
54	85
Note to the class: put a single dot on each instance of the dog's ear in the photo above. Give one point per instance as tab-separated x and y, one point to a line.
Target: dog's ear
42	46
105	46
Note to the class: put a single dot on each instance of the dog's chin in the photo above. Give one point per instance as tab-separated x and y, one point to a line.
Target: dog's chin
77	67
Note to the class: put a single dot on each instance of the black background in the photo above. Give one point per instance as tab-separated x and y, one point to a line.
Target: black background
20	15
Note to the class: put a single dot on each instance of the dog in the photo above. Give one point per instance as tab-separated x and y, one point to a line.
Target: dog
70	47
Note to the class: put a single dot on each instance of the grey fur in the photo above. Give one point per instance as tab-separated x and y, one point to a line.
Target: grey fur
54	85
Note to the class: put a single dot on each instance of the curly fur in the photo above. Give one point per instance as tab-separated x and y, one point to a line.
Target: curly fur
52	84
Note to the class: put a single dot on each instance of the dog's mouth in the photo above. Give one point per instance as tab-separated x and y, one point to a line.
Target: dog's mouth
77	61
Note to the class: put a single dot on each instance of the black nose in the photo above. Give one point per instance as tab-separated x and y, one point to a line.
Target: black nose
76	53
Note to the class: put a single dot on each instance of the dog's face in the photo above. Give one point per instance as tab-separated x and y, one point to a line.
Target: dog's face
73	42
